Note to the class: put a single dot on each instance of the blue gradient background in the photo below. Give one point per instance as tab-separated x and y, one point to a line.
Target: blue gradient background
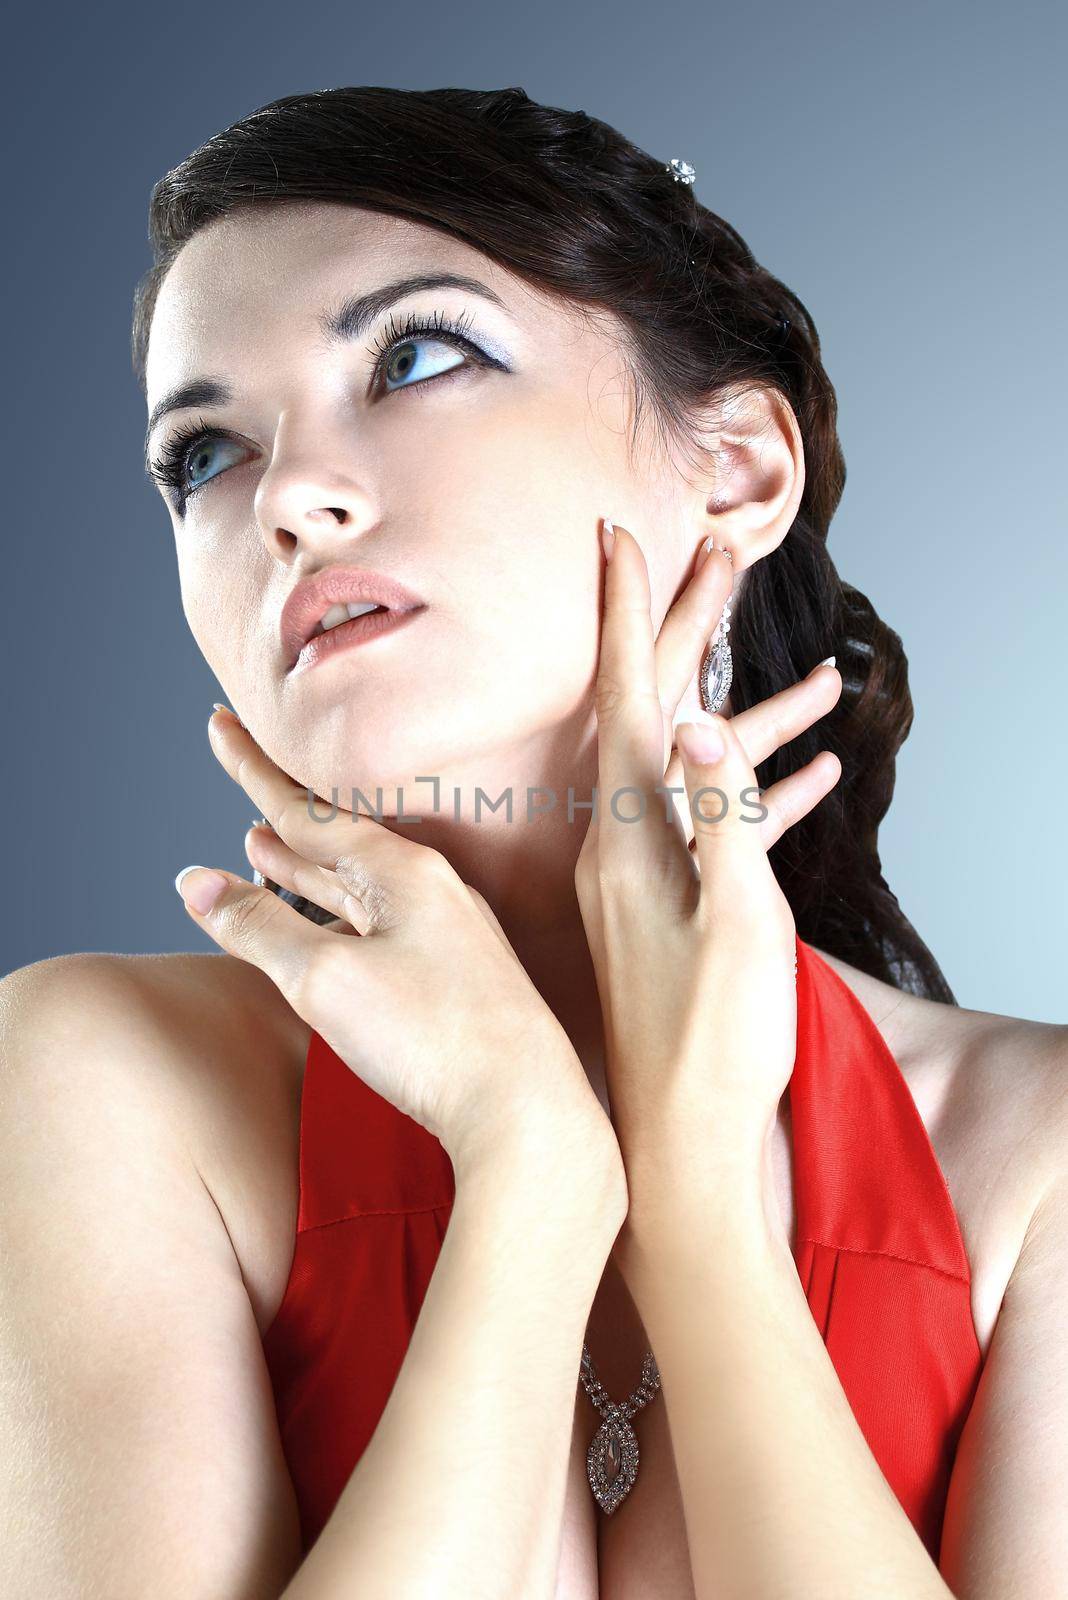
901	167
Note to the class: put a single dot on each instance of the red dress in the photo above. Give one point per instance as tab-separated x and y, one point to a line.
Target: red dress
878	1250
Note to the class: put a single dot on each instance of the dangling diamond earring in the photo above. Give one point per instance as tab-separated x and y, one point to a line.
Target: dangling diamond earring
718	664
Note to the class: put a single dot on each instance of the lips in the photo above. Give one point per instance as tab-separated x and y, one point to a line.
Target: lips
333	586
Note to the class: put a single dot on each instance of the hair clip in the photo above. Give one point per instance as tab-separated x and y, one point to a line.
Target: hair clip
681	171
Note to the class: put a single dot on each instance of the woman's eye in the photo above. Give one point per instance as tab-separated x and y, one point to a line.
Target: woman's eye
200	460
404	359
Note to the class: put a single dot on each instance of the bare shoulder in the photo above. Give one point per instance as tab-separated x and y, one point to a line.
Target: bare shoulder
992	1091
975	1075
142	1428
208	1040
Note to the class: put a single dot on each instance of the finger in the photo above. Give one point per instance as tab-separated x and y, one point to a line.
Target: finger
765	728
723	796
276	860
690	627
251	923
322	833
795	796
787	801
630	723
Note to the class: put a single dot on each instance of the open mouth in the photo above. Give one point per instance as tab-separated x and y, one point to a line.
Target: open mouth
338	615
341	605
362	623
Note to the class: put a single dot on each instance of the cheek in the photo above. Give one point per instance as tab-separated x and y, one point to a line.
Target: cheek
218	608
537	628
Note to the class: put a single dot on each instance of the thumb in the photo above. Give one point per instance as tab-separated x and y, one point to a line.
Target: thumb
716	774
251	923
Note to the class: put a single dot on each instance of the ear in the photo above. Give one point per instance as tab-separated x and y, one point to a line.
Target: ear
758	456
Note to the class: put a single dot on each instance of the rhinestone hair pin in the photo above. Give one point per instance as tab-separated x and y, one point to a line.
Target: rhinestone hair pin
681	171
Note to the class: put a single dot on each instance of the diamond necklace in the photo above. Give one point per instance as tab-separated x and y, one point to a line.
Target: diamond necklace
612	1459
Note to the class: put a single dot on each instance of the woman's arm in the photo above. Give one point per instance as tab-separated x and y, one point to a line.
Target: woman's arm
780	1490
460	1494
139	1451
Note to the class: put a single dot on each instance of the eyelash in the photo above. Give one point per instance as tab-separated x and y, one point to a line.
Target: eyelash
168	469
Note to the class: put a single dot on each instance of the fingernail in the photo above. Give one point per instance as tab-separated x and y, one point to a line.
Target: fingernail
202	893
704	553
700	743
828	662
217	705
608	538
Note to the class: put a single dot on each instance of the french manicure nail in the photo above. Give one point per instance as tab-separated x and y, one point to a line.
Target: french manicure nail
203	893
608	538
217	705
829	662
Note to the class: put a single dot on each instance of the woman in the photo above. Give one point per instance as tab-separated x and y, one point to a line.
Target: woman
543	1079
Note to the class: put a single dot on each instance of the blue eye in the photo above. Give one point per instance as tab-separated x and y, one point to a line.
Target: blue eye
404	357
401	350
190	450
198	459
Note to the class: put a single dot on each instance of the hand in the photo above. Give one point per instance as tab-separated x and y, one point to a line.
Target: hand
417	989
694	953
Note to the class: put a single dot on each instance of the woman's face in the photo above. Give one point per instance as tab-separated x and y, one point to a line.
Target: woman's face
477	481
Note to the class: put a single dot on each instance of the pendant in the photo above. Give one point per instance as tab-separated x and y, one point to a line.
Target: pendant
717	672
612	1460
718	663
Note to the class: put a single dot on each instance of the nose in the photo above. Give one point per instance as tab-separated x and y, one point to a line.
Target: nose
308	501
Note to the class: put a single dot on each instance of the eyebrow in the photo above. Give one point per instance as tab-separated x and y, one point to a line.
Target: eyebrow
352	318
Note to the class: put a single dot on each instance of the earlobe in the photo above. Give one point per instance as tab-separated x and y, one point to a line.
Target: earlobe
759	513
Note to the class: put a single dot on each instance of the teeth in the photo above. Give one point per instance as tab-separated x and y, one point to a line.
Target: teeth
338	614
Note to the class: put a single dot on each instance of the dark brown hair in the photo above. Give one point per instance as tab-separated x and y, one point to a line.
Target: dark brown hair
578	211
